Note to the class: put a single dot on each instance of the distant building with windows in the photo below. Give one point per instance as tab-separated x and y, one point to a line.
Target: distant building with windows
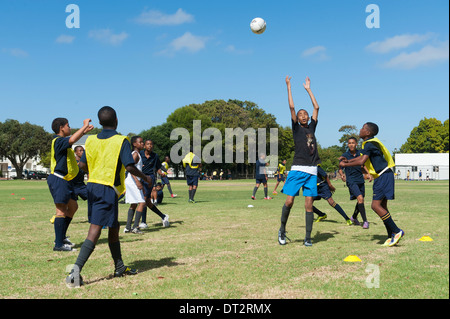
433	166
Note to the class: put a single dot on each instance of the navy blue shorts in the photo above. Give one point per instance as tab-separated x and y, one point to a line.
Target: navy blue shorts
280	178
356	189
165	180
192	180
62	191
261	180
323	191
383	186
148	187
103	205
80	190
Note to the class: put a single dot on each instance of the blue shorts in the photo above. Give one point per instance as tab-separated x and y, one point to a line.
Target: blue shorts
192	180
261	180
80	190
148	188
62	191
165	180
103	205
356	189
323	191
383	186
296	180
280	178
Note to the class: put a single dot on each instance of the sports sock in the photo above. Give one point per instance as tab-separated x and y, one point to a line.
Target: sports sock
190	194
85	251
254	191
309	220
144	215
285	211
362	210
137	218
356	211
116	255
340	211
130	218
193	193
59	225
157	212
265	191
67	221
170	189
318	212
389	223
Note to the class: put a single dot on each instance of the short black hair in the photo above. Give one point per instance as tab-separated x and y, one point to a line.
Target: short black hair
353	138
372	127
57	123
107	116
134	139
77	147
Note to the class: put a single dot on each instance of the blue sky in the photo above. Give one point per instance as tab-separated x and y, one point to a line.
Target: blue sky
148	58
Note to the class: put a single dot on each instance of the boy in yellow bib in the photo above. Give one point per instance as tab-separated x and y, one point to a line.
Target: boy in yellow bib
64	169
379	163
106	158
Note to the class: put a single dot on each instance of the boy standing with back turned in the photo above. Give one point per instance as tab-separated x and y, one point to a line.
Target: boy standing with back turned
106	158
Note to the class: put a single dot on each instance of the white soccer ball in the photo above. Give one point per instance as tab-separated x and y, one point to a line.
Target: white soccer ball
258	25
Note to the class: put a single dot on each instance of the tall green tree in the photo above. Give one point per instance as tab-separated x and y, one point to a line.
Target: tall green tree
20	142
430	136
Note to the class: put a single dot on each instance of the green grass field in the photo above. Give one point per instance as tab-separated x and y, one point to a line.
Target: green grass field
220	248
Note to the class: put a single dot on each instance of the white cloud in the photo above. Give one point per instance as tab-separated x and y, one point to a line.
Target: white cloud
232	49
107	36
398	42
317	53
64	39
155	17
430	54
16	52
188	42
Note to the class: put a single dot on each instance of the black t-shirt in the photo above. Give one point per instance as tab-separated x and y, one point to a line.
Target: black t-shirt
305	144
151	164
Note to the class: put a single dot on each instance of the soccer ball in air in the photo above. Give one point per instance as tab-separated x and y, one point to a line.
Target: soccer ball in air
258	25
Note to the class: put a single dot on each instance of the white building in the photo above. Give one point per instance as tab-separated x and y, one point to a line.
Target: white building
432	165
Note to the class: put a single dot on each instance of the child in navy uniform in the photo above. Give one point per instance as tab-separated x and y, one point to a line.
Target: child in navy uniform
261	175
353	176
192	164
379	163
325	190
106	158
151	165
64	170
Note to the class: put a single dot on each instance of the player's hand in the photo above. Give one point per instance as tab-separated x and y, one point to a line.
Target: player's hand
307	84
288	80
89	127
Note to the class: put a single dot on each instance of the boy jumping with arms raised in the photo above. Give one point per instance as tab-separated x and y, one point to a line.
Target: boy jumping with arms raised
303	172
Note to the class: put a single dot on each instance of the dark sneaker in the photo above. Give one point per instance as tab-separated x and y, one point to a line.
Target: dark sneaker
64	247
125	271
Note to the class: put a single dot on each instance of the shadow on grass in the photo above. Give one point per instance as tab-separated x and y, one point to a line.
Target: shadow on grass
142	266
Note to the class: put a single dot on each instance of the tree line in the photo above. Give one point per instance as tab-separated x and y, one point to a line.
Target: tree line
20	142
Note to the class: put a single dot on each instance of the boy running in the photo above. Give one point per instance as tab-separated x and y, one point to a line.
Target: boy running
261	175
304	167
379	162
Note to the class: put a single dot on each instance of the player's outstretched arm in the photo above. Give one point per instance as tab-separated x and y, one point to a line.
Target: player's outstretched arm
307	86
291	101
87	127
